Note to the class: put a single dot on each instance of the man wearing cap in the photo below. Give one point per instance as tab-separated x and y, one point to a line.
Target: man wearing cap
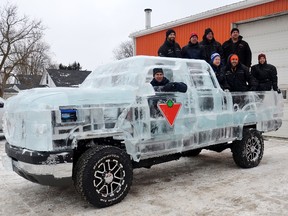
266	74
237	75
210	44
170	48
159	81
193	50
161	84
235	45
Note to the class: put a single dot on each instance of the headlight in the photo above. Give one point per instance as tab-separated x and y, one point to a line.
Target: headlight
69	115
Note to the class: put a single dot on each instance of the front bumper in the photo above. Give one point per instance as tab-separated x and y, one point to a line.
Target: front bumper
46	168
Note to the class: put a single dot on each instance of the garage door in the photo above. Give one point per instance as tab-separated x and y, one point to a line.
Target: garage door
269	36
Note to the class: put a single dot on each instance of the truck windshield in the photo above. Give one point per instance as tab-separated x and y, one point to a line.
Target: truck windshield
127	72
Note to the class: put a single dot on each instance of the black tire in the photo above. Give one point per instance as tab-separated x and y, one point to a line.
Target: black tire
248	152
192	153
103	175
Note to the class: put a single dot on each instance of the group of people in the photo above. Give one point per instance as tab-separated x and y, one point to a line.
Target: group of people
230	61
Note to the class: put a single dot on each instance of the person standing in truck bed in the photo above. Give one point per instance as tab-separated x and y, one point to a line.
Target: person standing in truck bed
266	74
238	76
236	45
170	48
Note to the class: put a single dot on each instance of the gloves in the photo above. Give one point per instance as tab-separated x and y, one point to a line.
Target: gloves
175	87
169	87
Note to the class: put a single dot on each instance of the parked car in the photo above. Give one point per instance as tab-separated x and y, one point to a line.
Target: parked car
95	135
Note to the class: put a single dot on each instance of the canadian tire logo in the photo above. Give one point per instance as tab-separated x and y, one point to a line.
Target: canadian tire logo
170	110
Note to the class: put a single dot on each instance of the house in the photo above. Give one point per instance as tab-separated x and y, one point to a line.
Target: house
28	81
22	82
63	78
51	78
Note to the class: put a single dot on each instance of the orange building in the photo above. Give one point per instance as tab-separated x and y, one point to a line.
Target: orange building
262	23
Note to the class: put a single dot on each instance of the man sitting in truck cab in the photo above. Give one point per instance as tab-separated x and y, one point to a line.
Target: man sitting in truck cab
162	84
159	80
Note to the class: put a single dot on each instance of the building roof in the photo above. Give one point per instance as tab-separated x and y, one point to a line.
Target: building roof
28	81
66	78
9	88
204	15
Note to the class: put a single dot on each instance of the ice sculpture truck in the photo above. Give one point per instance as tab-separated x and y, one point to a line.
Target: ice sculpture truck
95	135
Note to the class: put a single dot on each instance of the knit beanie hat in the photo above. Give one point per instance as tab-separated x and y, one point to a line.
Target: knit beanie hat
169	31
207	31
193	34
261	55
157	70
213	56
234	56
234	29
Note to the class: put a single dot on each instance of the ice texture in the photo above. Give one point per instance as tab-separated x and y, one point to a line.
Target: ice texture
117	101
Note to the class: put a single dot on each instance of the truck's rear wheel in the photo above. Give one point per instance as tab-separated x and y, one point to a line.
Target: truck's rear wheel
103	175
248	152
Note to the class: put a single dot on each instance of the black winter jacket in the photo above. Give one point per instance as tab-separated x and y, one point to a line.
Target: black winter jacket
164	81
211	47
239	80
169	49
266	75
219	75
241	48
193	51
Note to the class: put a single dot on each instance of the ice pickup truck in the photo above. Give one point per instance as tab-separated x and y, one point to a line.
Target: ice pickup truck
96	134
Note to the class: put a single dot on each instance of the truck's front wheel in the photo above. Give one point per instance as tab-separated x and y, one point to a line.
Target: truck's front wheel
103	175
248	152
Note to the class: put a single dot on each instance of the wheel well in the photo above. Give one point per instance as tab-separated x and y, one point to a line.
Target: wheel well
250	126
84	145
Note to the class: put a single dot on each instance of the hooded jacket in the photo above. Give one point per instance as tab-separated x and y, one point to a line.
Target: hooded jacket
170	49
240	79
240	48
266	75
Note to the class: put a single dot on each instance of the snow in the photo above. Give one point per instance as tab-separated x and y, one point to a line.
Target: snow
210	184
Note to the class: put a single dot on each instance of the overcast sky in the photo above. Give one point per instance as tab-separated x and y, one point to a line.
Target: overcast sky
87	31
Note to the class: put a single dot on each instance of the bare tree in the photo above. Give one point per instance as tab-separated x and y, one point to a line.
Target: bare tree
36	62
124	50
21	46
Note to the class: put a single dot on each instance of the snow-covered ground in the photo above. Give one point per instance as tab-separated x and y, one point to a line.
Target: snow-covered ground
210	184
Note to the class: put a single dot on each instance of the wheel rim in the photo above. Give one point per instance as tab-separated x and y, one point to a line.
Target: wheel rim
253	148
108	177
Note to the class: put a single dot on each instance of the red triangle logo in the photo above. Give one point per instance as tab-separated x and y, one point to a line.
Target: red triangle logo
170	110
